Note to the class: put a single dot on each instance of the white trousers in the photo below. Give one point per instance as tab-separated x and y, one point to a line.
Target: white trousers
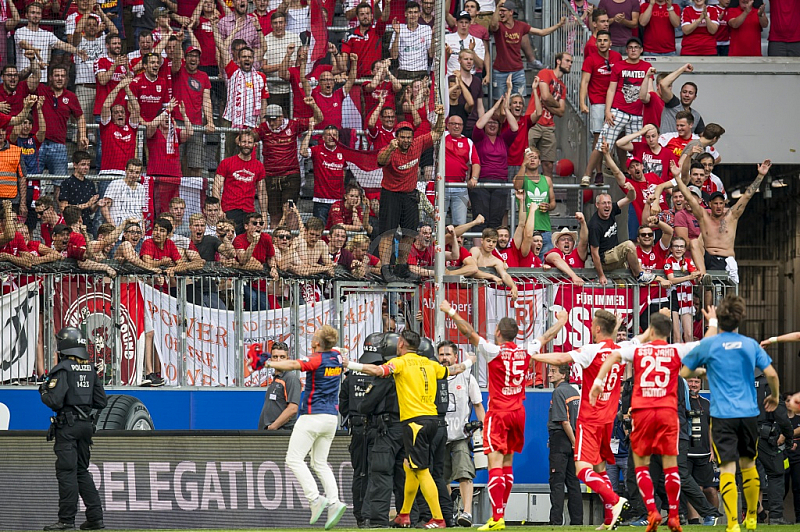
313	433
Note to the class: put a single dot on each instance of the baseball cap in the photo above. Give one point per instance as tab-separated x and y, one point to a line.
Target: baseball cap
160	12
511	6
404	125
463	16
631	160
695	190
637	40
192	49
716	194
274	111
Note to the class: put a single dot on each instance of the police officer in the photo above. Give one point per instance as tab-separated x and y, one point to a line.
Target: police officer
351	395
385	436
73	390
774	430
561	427
283	395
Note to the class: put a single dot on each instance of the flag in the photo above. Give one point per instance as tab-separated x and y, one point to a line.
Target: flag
364	165
318	37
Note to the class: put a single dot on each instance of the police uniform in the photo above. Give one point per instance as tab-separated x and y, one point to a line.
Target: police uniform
563	407
73	390
351	395
770	458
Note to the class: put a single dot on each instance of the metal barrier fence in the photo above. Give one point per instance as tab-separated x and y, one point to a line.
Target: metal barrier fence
214	327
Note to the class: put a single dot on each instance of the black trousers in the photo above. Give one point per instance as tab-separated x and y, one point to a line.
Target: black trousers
793	475
691	491
562	473
386	474
438	451
770	468
359	458
492	203
72	448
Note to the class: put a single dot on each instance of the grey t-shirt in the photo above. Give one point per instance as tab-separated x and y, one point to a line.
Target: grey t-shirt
284	389
563	406
671	109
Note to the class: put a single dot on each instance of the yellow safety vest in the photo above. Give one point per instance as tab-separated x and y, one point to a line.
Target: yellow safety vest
9	170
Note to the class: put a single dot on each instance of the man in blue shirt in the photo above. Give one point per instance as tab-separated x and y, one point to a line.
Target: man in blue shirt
730	360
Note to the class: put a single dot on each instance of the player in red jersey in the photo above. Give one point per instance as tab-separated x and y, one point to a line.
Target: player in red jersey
504	426
654	411
596	421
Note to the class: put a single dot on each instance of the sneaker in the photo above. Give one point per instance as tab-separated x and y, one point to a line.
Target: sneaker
93	525
695	521
734	528
60	526
335	512
653	520
317	506
779	521
750	523
599	180
645	277
464	519
705	280
435	523
710	520
674	524
616	512
147	382
640	521
586	181
491	524
602	526
402	521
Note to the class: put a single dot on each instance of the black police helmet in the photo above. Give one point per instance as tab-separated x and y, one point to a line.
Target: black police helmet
426	349
389	346
71	343
372	349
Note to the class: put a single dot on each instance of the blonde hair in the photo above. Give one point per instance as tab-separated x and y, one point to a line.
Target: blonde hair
327	337
357	240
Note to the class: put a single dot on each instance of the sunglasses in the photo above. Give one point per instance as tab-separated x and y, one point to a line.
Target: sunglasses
258	223
645	235
284	237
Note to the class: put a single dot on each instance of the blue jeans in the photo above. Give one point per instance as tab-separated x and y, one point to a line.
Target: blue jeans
547	236
614	471
53	158
653	54
633	223
255	299
321	211
499	83
455	201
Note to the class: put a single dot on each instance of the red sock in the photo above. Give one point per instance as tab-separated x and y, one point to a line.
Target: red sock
645	483
508	473
598	485
672	483
497	489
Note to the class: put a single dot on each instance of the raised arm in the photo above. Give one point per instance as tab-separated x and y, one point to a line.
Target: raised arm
609	160
626	142
463	325
738	209
669	79
644	88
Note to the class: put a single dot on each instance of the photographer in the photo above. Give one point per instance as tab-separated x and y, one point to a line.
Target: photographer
774	431
701	461
464	394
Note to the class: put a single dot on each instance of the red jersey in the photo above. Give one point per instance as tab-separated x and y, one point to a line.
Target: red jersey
510	255
339	215
263	251
600	69
517	148
47	229
506	367
557	90
15	246
76	247
379	136
460	155
240	180
301	108
16	99
367	46
420	257
205	38
659	35
330	106
170	250
723	35
328	172
463	254
700	41
746	39
152	95
373	98
573	260
629	77
653	110
56	112
401	172
189	88
120	145
644	189
165	156
590	357
653	163
656	368
104	64
650	261
280	147
590	47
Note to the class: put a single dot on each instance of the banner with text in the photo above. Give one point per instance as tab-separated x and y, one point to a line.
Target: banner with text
19	329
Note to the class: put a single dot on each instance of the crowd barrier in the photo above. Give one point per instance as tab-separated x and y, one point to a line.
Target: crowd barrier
214	327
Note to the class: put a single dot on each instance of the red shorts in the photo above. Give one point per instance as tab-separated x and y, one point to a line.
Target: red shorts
593	443
504	431
655	431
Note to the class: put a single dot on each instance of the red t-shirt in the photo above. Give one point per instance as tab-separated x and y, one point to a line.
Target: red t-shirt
653	259
700	41
590	47
557	90
16	99
656	164
681	268
460	155
57	110
463	254
15	245
784	23
104	64
152	95
402	170
189	88
368	47
653	110
170	250
418	257
508	42
328	172
643	190
263	251
161	162
330	106
279	148
600	70
659	35
517	149
47	229
591	357
723	34
657	366
239	187
76	247
379	136
301	108
373	98
510	255
746	39
119	145
339	215
204	33
629	78
573	260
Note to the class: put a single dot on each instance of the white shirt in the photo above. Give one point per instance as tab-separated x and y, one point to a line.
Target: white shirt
41	39
457	44
464	392
413	48
298	20
84	70
276	51
128	202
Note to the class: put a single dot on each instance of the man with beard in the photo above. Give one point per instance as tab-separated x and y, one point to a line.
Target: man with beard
310	255
127	197
237	24
570	250
191	86
328	161
237	180
254	250
12	93
118	131
552	92
211	249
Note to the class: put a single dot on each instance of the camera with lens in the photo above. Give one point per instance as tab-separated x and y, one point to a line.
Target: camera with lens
472	426
695	427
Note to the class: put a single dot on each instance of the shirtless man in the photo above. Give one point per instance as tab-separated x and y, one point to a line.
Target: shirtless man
107	236
310	255
485	259
718	224
570	249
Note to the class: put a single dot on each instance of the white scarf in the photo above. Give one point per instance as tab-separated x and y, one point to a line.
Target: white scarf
244	103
